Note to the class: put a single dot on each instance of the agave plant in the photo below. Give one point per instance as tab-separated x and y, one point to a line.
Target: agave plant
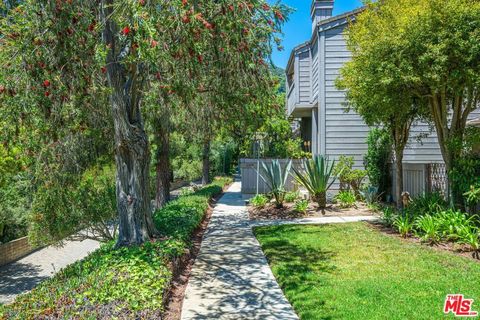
276	178
317	179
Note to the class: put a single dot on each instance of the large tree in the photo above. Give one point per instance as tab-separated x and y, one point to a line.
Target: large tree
56	50
429	50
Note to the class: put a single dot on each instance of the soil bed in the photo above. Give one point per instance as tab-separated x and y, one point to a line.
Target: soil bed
270	212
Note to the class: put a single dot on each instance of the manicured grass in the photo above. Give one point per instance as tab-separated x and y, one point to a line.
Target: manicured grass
129	283
351	271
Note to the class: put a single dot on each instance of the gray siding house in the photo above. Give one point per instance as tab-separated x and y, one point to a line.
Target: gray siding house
325	126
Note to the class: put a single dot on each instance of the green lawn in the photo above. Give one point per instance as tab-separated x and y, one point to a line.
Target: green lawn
350	271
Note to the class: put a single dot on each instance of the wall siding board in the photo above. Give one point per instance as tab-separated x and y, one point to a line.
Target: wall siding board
345	133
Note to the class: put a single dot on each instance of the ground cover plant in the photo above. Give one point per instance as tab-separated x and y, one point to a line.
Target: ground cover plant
353	271
125	283
429	219
346	199
259	201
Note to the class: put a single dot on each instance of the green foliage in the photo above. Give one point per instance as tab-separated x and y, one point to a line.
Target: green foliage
472	196
67	204
407	50
317	178
278	141
291	196
470	236
428	229
389	215
428	203
127	282
186	159
275	177
371	195
465	174
346	199
404	225
301	206
378	159
259	201
452	222
349	178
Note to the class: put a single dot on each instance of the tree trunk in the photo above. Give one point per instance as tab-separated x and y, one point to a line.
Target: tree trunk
206	162
400	132
162	194
132	153
448	130
132	160
399	178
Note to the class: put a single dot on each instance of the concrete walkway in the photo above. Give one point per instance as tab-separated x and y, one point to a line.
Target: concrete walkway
316	220
231	278
26	273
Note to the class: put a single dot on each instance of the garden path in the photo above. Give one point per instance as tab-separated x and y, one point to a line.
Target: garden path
231	278
26	273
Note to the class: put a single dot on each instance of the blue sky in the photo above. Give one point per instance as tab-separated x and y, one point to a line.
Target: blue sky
299	27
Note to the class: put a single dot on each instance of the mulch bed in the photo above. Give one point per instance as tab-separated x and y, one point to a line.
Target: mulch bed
270	212
458	249
183	267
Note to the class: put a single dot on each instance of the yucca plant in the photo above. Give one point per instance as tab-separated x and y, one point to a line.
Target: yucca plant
276	178
317	179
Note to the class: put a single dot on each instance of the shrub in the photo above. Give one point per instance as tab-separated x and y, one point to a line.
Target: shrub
370	194
472	196
378	159
291	196
470	236
404	225
429	203
389	215
317	178
349	178
67	203
15	200
301	206
428	229
346	199
259	201
129	282
451	222
276	178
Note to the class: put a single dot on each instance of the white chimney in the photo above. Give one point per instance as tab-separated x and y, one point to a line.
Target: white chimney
321	10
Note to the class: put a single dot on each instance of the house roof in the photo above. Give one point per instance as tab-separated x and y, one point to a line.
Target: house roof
321	24
340	16
474	122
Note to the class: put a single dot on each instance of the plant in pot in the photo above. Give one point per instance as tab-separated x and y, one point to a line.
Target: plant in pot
317	179
275	177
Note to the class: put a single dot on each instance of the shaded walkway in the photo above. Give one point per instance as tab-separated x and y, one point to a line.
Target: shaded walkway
231	278
26	273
